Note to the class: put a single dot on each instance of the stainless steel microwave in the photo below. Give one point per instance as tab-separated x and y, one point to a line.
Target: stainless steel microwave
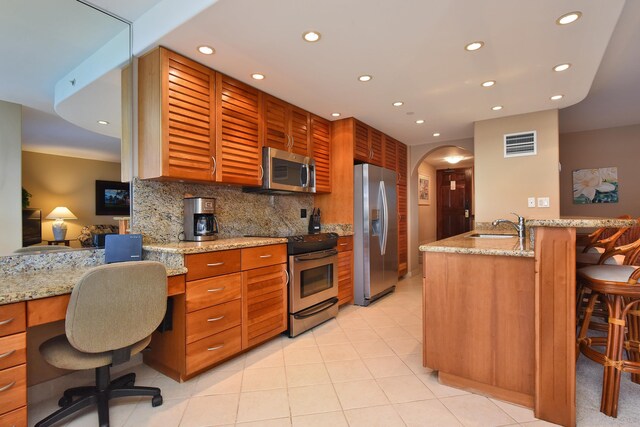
287	172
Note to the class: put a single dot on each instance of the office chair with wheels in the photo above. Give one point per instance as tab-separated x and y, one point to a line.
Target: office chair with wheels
111	314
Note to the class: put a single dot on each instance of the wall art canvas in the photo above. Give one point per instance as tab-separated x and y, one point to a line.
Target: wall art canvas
595	186
424	194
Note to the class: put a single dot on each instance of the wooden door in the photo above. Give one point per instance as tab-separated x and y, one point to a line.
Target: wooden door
375	147
299	130
188	118
276	132
239	151
453	202
361	142
321	143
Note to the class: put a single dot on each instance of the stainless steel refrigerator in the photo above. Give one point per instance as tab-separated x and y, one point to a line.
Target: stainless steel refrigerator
375	245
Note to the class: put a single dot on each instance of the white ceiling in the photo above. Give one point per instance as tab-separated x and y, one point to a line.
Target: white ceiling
414	50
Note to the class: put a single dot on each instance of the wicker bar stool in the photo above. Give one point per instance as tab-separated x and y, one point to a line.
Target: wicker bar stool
613	250
601	239
617	288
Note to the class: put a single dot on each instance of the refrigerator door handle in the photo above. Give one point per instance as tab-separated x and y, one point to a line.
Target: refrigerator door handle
385	219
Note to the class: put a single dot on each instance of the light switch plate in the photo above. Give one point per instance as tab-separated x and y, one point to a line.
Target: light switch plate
543	202
531	202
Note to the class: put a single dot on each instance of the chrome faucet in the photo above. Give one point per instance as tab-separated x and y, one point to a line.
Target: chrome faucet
519	226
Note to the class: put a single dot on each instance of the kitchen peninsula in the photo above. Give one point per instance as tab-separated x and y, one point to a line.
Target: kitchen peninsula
499	314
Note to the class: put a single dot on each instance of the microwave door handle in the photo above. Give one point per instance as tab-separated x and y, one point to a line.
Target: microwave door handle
309	172
304	176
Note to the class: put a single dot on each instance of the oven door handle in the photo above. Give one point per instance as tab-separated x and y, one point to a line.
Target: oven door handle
313	257
317	309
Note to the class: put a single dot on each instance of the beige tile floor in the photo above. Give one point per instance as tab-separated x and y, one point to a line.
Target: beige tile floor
362	369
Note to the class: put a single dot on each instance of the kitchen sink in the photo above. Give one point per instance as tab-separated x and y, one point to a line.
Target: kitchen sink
491	236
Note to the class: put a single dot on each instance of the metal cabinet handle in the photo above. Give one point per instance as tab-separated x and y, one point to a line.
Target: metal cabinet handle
215	264
216	289
215	319
266	256
286	272
215	348
7	354
7	321
215	165
343	244
261	172
8	386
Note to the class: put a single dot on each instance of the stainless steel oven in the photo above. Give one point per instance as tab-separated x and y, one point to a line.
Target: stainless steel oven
313	288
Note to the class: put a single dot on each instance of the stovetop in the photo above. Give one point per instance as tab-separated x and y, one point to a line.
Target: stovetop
305	243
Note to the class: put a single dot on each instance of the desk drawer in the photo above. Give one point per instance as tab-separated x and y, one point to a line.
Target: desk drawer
13	388
13	350
211	264
263	256
12	318
212	320
207	351
17	418
215	290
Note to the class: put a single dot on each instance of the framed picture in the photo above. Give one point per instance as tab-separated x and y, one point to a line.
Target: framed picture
424	192
595	186
112	198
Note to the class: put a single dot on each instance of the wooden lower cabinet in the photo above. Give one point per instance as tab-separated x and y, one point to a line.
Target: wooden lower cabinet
345	270
206	352
13	365
17	418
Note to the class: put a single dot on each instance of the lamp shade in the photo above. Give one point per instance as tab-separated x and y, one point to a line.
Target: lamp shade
61	212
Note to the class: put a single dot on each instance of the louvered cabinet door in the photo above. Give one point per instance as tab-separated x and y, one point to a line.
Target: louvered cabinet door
299	130
402	164
239	151
345	277
375	147
189	128
321	143
390	160
361	142
402	230
276	129
264	304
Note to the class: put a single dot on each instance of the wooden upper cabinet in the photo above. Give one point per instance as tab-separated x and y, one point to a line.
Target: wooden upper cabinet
239	148
390	158
402	164
375	144
176	109
367	146
321	143
286	127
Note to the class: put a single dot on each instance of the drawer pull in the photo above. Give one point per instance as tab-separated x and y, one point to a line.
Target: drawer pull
6	322
7	354
266	256
216	264
218	347
216	289
8	386
215	319
343	244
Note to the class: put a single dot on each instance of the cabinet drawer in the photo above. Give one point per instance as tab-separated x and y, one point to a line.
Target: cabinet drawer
12	318
212	320
13	388
215	348
211	264
17	418
13	350
215	290
345	243
262	256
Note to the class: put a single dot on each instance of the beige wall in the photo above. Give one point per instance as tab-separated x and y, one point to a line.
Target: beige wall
619	147
427	213
10	191
66	181
503	185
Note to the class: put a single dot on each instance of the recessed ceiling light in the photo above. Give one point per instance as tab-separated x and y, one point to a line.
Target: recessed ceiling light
365	78
335	114
568	18
206	50
488	83
561	67
453	159
103	122
474	46
419	121
436	134
398	103
311	36
257	76
556	97
497	108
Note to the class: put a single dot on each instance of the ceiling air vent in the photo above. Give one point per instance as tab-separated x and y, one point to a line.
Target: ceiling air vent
520	144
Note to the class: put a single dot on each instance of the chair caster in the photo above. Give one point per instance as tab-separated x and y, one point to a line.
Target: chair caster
64	401
156	401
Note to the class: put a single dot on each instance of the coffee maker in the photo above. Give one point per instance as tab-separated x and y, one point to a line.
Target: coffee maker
200	222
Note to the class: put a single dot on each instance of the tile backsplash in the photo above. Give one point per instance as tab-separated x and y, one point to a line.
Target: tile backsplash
158	210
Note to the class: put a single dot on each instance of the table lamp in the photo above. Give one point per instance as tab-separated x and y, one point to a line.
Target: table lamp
59	227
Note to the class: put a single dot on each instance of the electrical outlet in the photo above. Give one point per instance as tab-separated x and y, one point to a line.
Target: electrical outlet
531	202
303	213
543	202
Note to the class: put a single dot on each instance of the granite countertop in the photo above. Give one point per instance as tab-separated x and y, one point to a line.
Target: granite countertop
463	244
581	222
47	283
212	246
